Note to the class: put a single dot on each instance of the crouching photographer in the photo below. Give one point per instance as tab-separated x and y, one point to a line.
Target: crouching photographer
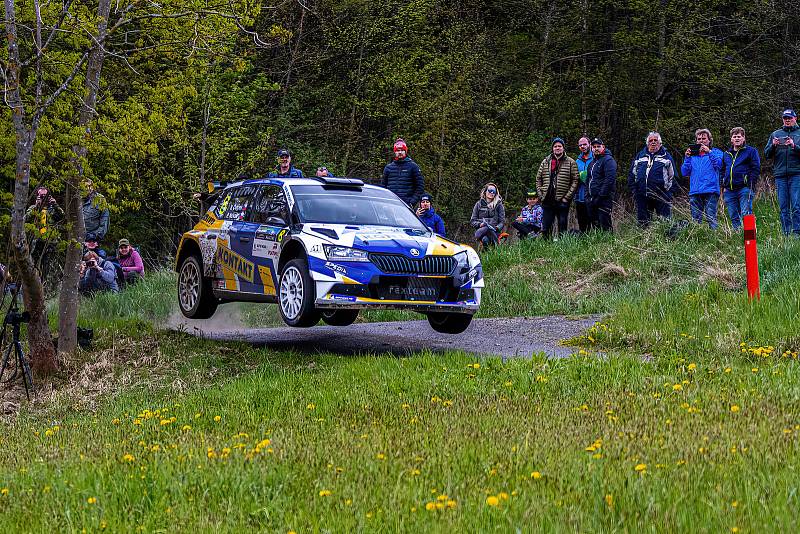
97	275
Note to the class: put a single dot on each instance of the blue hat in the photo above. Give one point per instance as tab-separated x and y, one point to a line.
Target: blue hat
789	113
283	152
426	196
558	140
90	236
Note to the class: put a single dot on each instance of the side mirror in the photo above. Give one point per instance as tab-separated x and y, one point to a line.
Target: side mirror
275	221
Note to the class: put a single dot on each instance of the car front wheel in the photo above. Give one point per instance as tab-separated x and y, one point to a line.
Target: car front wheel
296	295
195	297
449	323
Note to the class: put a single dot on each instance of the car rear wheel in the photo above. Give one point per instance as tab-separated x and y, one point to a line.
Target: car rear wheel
449	323
339	317
195	297
296	295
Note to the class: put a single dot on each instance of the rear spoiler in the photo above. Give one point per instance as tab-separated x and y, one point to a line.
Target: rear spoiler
216	186
339	181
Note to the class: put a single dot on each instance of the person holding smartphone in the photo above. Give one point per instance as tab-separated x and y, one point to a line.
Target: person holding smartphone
702	165
783	147
428	215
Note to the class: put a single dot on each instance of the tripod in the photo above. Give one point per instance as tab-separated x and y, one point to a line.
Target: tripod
14	319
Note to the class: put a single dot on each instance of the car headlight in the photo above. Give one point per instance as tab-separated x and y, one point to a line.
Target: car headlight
339	253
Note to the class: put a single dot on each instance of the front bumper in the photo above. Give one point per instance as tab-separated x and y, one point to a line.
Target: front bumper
400	292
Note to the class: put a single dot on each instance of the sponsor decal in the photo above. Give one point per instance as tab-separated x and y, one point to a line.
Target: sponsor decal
223	205
268	233
281	235
414	252
335	267
265	248
208	218
236	263
401	291
347	298
289	197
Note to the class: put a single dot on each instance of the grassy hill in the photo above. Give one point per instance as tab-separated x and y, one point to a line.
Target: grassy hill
686	420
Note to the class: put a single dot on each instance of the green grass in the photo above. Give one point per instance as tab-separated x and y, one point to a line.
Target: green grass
710	415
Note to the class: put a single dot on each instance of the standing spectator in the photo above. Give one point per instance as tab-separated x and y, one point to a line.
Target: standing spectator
601	186
784	147
703	168
323	172
95	212
97	274
428	215
402	176
529	222
741	168
651	180
44	214
285	169
130	261
583	160
556	180
488	215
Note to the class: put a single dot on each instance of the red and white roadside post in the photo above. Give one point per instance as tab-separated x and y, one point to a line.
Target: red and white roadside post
751	257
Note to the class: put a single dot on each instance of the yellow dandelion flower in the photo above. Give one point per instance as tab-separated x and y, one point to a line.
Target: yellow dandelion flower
348	502
115	421
129	458
728	369
91	500
442	498
164	422
491	500
735	504
430	506
311	406
754	369
692	367
325	493
536	475
503	495
217	418
735	408
451	504
380	456
4	492
640	468
186	428
734	530
677	387
406	406
609	500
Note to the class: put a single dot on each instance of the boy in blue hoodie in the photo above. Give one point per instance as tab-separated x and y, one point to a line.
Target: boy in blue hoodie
428	215
741	167
702	167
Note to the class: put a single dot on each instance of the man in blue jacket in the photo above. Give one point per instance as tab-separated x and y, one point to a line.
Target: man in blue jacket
601	186
784	146
285	169
702	166
651	179
428	215
402	175
583	160
741	168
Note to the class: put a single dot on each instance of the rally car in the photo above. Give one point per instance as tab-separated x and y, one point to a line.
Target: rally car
324	248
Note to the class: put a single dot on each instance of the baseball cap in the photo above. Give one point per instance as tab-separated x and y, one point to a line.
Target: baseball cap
789	113
597	141
124	242
90	237
531	193
283	152
426	196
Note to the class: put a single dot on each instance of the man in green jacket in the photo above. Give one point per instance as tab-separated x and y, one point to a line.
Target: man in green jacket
556	181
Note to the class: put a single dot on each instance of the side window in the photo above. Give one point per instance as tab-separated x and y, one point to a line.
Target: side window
270	204
234	205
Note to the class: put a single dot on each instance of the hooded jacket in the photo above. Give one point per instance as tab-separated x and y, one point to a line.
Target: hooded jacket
652	174
293	172
703	172
740	168
404	178
95	214
787	159
583	175
601	181
433	221
492	213
566	179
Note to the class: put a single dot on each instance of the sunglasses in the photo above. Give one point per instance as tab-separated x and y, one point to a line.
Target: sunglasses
492	191
320	169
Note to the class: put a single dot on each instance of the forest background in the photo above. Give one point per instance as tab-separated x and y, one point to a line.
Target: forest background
477	89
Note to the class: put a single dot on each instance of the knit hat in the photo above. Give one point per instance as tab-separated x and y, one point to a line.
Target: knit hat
426	196
558	140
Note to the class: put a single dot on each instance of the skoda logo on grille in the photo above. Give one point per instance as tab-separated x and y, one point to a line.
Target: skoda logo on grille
414	252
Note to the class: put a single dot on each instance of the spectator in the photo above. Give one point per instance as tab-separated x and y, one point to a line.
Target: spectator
703	167
44	214
92	244
601	186
285	169
95	212
488	215
97	274
130	261
784	147
583	160
323	171
428	215
556	180
741	168
651	180
402	175
529	222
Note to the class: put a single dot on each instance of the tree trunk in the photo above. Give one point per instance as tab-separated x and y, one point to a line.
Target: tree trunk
69	300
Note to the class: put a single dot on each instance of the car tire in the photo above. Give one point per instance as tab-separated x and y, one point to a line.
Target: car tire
195	296
449	323
339	317
296	295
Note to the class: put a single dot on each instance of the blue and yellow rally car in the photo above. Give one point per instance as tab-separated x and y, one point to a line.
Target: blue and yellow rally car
324	248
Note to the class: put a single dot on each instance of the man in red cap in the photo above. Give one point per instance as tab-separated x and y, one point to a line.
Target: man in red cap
402	175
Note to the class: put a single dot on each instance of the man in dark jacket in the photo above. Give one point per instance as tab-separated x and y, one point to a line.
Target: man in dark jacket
601	186
402	175
428	215
651	179
285	169
741	168
784	146
95	212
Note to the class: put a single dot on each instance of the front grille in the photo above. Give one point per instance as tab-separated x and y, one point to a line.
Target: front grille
430	265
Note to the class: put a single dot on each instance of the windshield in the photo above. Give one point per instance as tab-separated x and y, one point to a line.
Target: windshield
354	207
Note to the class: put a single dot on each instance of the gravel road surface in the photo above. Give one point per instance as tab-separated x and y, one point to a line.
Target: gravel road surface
510	337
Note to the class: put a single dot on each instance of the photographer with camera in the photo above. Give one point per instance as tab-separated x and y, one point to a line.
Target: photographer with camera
702	164
97	274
